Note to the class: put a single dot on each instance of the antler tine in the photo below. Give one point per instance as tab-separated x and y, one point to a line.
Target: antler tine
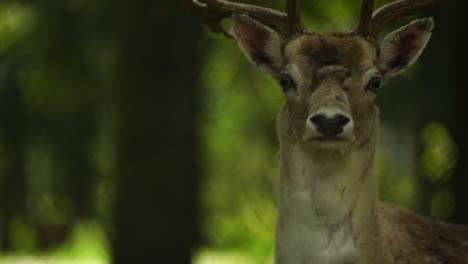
396	10
214	11
364	26
295	21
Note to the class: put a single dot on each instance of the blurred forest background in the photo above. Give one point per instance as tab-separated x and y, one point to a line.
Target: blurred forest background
131	134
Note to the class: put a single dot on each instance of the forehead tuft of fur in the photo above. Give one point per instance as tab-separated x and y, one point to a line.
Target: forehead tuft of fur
331	49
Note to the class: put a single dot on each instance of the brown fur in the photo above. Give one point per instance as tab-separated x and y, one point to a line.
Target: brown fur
328	209
413	239
333	49
333	70
256	38
352	56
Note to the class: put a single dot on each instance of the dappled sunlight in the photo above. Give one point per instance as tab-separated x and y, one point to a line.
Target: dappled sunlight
238	124
228	257
16	20
439	155
438	162
45	260
87	242
215	258
87	245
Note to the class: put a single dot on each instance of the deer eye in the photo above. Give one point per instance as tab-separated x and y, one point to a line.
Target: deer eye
286	81
374	84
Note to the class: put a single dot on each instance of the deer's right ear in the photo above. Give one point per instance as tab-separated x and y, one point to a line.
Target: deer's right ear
401	48
260	44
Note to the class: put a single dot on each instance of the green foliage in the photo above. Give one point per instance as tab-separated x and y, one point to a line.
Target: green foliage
396	167
87	242
440	155
16	21
24	236
229	257
87	245
438	161
442	204
49	93
239	150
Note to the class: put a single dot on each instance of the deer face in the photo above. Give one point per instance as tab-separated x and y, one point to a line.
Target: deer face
330	81
326	82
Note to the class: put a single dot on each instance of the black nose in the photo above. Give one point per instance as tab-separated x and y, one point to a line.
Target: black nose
329	127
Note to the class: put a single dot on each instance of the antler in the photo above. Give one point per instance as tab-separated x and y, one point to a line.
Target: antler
372	25
365	19
214	11
396	10
295	22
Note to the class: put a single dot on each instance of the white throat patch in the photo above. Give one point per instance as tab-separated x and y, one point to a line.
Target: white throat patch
315	221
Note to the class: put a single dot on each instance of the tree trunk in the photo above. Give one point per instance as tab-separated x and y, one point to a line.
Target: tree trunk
445	86
156	216
459	42
12	176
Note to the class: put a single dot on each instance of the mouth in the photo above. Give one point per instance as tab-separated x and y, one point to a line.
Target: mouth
329	139
333	142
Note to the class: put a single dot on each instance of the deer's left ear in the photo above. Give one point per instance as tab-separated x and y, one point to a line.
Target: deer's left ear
260	44
401	48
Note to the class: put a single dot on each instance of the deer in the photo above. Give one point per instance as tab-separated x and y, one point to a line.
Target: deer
329	211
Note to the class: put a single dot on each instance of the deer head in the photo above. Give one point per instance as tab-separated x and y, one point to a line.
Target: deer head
330	81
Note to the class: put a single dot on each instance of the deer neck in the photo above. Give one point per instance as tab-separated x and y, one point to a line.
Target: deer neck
327	205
